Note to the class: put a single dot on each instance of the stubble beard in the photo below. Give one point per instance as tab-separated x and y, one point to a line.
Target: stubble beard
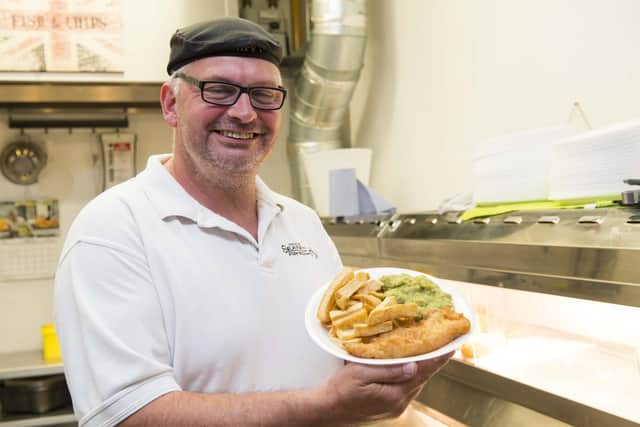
226	173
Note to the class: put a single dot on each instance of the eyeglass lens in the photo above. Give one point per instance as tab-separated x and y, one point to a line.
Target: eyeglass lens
226	94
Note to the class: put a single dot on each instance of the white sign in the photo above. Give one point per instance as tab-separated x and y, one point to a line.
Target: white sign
61	35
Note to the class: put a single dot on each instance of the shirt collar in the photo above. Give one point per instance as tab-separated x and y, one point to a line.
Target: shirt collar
268	196
169	198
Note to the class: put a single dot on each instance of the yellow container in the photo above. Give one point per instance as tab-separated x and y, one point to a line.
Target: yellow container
50	344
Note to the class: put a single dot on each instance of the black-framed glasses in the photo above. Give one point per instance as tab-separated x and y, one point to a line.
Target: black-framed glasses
225	94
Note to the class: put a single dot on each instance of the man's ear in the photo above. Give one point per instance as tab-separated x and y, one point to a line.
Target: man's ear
168	104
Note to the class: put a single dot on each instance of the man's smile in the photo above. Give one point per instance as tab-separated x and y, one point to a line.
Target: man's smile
237	134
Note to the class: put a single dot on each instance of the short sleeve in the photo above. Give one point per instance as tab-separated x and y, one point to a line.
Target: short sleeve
109	321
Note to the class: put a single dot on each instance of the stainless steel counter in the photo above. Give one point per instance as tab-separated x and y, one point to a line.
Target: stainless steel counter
575	253
592	256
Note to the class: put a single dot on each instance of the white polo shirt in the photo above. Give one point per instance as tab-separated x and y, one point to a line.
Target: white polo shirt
156	293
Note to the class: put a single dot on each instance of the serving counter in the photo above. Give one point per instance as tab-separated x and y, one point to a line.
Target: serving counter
557	298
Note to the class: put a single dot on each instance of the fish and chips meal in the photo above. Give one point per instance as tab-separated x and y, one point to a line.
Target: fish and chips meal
397	315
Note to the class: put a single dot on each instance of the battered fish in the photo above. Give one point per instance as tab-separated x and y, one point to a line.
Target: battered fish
439	328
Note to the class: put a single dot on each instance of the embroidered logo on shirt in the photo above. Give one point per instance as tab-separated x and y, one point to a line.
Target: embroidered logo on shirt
292	249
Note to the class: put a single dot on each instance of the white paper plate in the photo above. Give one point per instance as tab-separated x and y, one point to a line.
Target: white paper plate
320	335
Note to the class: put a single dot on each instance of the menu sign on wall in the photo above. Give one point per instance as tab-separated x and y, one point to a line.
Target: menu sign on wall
61	35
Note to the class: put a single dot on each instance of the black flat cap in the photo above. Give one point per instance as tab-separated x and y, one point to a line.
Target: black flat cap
222	37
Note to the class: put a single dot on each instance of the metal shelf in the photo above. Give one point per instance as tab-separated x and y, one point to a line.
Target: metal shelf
26	364
86	95
60	416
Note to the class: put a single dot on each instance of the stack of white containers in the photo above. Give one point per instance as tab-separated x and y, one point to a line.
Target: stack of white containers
516	167
595	163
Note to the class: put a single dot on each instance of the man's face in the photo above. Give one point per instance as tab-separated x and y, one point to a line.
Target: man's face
221	141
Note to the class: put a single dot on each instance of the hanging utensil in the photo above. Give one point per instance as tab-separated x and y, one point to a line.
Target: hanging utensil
22	161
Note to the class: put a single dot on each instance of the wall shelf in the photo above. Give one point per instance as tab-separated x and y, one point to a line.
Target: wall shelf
25	364
60	416
65	94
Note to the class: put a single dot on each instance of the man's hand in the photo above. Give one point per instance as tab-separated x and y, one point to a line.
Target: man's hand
363	393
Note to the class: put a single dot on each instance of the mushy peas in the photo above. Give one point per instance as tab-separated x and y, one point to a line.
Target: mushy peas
416	289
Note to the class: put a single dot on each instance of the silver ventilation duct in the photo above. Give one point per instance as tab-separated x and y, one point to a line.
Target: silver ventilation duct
325	85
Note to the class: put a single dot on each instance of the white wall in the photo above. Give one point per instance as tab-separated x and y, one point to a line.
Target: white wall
441	75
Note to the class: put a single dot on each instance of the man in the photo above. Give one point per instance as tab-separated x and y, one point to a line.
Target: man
176	300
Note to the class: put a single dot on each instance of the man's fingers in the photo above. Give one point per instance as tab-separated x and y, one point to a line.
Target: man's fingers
388	374
391	374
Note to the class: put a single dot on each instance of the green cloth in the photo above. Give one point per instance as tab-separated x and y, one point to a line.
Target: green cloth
491	209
